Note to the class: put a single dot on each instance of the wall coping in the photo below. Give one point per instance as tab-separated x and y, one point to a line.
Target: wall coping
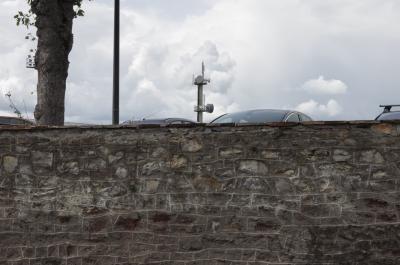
362	123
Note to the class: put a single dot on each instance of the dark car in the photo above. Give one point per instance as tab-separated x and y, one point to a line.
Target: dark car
262	116
388	114
161	122
12	121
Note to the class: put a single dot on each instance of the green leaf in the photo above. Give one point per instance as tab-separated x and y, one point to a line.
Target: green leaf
80	12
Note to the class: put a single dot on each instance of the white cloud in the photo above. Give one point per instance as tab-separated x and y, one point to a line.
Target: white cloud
161	79
325	86
313	108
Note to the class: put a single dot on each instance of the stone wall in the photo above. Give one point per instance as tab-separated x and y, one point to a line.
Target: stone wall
317	193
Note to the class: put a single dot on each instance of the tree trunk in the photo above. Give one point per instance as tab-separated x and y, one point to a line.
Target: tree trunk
54	30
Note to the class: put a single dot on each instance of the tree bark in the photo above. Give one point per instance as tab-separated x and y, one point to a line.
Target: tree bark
54	19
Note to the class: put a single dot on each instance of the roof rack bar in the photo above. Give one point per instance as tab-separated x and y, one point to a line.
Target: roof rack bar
388	108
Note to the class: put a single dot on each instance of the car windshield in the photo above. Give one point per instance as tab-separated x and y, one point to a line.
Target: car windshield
389	116
253	116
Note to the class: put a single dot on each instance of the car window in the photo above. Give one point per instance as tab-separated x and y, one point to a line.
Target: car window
224	119
294	117
4	121
13	121
255	116
389	116
176	122
305	117
182	121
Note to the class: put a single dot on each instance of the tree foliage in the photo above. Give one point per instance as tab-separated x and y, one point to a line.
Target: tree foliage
28	18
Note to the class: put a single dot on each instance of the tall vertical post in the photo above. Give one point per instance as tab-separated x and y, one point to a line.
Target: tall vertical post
115	106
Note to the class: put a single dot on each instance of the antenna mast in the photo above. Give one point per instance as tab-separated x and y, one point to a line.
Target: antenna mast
30	60
200	81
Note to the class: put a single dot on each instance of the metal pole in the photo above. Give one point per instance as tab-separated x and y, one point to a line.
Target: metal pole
200	103
115	107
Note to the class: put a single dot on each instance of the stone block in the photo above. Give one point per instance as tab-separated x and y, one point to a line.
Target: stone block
191	146
371	156
128	222
10	164
253	167
341	155
42	159
97	224
230	152
178	162
264	225
95	164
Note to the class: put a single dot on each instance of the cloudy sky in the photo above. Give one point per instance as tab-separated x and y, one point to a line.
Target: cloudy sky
332	59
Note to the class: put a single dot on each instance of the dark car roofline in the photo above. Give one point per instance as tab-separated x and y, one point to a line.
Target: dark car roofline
277	110
384	113
165	119
251	110
181	119
285	112
157	120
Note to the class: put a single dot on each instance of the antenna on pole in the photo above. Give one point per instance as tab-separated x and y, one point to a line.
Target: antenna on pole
200	81
31	58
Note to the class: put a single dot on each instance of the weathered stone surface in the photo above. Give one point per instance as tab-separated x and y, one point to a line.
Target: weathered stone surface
229	152
115	157
121	172
341	155
69	167
385	128
270	154
372	156
255	167
318	194
178	162
191	146
151	168
42	159
10	163
96	164
152	186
